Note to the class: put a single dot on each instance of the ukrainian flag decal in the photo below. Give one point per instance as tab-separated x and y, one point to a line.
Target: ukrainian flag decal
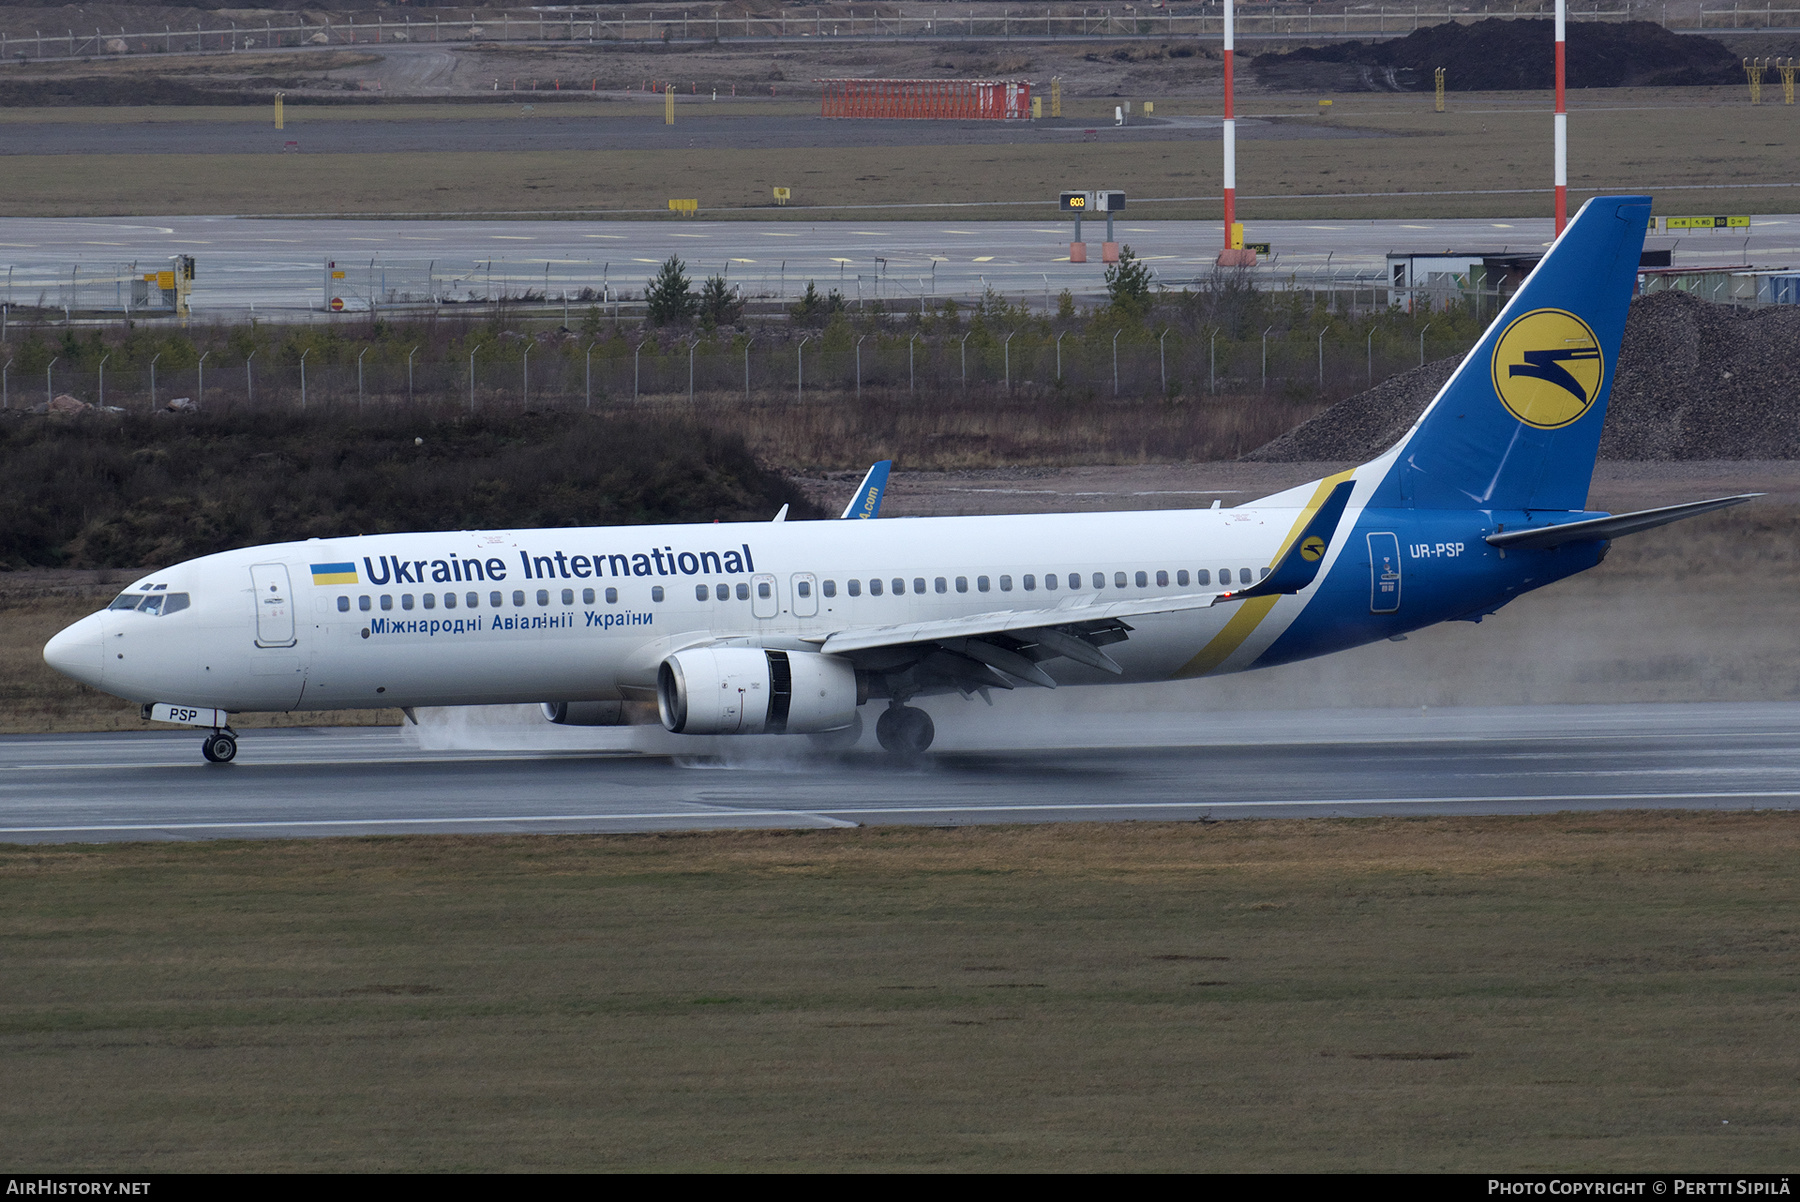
334	573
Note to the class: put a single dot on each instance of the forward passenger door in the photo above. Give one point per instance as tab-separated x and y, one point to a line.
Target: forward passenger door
274	605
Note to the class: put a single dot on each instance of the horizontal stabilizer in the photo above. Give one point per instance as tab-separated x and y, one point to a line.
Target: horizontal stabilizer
1300	565
1596	529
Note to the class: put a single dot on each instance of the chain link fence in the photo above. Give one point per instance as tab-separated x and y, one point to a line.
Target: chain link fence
620	372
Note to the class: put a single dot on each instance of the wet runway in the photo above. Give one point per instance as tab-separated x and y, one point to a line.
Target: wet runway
988	767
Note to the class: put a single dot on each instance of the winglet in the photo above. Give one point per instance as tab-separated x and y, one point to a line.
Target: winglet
1300	565
867	501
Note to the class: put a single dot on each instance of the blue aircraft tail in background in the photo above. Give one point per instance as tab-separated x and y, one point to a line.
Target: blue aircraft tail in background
1518	425
867	501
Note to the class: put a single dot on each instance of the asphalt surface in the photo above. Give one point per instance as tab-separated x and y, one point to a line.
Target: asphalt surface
563	127
1147	767
279	265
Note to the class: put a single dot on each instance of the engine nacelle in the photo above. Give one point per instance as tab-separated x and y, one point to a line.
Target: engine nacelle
590	713
749	691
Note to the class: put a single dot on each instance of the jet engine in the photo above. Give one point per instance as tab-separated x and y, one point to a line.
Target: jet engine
592	713
748	691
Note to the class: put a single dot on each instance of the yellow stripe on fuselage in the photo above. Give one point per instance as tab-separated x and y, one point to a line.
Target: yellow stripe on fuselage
334	577
1251	613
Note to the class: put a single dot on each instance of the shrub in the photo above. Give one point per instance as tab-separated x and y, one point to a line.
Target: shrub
668	302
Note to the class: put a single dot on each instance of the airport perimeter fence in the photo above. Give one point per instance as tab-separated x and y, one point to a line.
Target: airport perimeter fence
569	290
616	374
595	26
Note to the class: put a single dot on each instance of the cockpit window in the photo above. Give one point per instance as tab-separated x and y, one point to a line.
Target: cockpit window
154	604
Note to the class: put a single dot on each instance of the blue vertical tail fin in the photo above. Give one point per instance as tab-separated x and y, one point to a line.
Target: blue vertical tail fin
1518	424
867	501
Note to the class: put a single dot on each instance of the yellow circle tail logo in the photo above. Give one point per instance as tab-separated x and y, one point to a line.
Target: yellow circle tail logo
1548	368
1313	549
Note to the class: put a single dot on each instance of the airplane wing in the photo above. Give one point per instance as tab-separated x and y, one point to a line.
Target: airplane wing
1618	524
866	503
1005	645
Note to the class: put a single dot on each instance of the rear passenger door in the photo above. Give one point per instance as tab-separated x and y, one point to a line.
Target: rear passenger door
1384	573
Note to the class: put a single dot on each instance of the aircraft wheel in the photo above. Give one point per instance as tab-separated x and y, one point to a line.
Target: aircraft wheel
220	747
904	730
839	740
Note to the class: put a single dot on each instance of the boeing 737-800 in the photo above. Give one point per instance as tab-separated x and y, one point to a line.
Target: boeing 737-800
793	627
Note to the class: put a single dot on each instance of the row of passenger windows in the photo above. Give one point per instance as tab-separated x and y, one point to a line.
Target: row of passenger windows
495	600
1030	582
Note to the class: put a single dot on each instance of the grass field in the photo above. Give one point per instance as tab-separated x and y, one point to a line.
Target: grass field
1706	141
1603	992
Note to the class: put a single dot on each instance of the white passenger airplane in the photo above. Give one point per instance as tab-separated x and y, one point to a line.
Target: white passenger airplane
791	627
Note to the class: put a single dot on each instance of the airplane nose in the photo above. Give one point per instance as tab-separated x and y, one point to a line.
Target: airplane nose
77	652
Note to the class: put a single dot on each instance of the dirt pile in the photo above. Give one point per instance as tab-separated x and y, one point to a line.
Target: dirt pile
1694	381
1503	56
1363	426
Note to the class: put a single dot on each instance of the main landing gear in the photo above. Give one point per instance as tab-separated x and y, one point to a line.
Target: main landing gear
904	731
219	747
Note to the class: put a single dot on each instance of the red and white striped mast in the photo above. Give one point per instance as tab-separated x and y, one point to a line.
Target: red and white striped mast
1231	134
1562	126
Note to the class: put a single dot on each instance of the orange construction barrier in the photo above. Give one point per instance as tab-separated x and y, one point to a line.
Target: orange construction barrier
927	99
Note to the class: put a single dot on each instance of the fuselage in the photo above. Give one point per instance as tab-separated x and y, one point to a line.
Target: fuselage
490	617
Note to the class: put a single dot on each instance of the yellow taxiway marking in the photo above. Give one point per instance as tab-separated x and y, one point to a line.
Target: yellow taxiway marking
646	260
837	260
619	237
956	231
743	260
982	259
512	237
687	235
771	234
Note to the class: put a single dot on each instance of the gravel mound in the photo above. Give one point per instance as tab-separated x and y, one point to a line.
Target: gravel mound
1363	426
1694	381
1501	56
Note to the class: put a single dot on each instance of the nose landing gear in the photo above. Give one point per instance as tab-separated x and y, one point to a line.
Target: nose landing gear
904	731
219	747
